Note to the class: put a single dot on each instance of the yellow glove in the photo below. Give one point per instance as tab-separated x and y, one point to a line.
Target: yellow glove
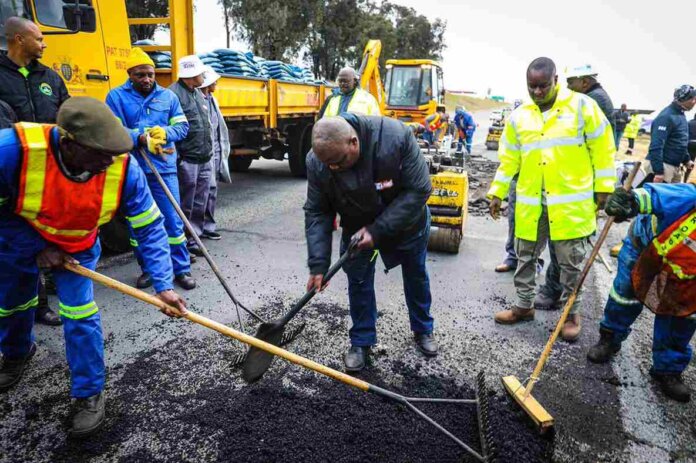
154	145
158	132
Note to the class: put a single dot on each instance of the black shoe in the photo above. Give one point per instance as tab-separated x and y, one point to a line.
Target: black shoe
604	349
673	386
426	344
144	281
355	358
543	301
195	250
185	281
89	415
45	316
192	259
212	235
13	369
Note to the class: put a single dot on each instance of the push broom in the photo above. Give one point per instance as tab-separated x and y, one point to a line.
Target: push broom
523	394
488	451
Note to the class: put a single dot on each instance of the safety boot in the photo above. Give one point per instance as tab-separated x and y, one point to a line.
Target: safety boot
571	328
185	280
604	349
514	315
89	415
144	281
356	358
12	370
672	386
426	344
543	301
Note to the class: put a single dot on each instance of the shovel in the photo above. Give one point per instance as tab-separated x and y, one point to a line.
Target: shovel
257	360
489	451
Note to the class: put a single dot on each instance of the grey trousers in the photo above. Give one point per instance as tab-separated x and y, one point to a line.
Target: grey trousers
569	253
194	186
209	217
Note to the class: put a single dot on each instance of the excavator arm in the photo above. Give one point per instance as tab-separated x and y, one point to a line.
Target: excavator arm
370	79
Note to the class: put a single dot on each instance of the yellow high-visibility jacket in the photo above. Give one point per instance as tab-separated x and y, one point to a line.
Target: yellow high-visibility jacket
570	157
633	126
362	103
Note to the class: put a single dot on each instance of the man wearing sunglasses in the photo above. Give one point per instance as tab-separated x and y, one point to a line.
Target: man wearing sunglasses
155	121
370	171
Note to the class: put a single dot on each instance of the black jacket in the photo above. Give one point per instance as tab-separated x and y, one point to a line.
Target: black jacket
597	93
669	139
386	190
7	116
622	119
35	98
197	147
692	139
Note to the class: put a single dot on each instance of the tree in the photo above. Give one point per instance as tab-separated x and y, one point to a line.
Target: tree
227	12
274	29
145	9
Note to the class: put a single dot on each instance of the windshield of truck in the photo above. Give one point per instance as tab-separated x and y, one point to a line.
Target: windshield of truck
406	88
9	8
50	12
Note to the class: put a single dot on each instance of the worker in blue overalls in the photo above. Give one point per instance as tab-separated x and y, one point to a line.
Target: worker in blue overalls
57	185
153	116
660	247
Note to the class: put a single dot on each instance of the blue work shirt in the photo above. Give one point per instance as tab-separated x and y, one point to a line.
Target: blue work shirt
139	113
669	139
20	243
464	121
667	203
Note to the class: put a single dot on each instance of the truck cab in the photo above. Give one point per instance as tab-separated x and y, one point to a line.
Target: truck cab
414	89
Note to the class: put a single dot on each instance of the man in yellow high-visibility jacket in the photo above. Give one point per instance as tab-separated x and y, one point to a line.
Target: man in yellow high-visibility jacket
351	98
561	146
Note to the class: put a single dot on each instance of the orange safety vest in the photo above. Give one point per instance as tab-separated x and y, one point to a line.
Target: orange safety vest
435	124
664	278
64	212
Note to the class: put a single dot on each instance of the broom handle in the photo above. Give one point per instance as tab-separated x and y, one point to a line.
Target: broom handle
222	329
571	300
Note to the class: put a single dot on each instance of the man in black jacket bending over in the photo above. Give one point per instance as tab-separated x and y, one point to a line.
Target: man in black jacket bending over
369	169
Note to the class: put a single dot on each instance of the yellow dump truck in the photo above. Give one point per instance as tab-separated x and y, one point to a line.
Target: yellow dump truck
88	45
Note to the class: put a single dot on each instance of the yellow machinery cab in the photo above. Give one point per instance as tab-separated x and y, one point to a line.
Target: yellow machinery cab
414	89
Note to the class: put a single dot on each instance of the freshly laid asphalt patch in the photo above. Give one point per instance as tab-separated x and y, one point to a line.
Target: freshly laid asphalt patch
183	402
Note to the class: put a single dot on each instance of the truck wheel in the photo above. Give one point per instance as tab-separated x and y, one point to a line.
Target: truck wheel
114	235
300	142
239	163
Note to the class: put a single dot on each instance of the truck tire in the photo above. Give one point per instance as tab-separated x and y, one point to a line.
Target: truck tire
239	163
115	236
300	142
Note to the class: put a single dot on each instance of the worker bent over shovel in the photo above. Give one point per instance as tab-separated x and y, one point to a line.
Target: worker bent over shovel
57	185
369	170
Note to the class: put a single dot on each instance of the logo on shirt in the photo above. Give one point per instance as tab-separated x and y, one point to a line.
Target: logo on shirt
384	185
46	89
663	128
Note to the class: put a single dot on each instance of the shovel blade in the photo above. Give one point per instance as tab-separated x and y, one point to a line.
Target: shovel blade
258	361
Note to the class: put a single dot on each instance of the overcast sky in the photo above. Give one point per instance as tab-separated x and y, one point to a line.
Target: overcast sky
642	49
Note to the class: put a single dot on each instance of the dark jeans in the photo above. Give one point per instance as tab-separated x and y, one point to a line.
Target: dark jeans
510	255
360	270
631	141
617	137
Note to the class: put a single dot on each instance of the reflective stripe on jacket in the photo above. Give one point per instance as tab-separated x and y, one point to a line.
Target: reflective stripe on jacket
67	213
361	102
433	122
570	157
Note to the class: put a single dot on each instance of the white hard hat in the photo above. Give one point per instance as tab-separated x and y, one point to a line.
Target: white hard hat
191	66
582	70
211	76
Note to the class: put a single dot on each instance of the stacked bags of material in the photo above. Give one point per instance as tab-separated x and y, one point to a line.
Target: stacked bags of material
238	63
162	59
213	60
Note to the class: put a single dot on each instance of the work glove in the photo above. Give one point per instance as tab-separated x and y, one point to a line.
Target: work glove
157	132
155	145
622	205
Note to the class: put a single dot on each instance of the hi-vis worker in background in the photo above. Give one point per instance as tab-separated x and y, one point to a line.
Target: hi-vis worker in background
657	267
350	98
57	185
562	148
434	124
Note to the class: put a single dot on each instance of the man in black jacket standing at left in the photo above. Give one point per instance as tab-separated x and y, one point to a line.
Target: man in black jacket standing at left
35	93
369	169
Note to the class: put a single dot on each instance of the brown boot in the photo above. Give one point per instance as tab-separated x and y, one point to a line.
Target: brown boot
514	315
571	328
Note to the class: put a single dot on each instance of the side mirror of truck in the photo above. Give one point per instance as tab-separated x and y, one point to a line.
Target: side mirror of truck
79	17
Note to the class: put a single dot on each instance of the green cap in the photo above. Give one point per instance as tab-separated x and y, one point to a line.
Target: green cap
91	123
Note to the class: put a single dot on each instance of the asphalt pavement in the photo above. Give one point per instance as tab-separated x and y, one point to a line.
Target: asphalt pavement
163	375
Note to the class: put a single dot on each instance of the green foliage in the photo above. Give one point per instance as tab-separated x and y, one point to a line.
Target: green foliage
145	9
331	34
